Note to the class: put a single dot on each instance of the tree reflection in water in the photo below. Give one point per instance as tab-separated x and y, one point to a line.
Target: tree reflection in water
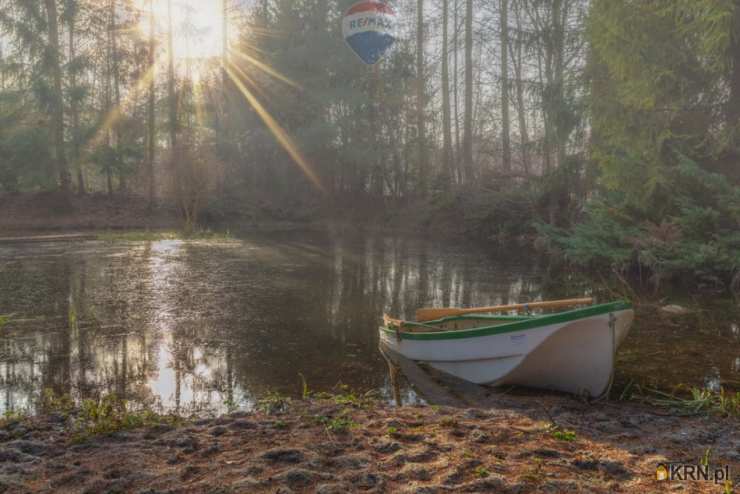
194	326
197	326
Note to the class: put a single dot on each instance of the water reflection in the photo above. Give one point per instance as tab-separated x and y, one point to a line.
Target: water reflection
195	326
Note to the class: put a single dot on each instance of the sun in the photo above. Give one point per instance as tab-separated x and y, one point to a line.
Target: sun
198	26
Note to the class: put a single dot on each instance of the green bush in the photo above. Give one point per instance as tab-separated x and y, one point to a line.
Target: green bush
698	236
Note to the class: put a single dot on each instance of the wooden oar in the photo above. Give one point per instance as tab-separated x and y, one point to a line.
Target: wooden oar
390	322
434	314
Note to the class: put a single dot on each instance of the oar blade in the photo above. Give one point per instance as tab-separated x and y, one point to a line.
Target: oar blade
390	322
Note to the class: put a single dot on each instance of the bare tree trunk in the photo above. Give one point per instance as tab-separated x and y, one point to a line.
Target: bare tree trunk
2	69
521	106
151	124
506	123
57	97
558	46
108	105
175	154
446	122
546	119
74	103
468	125
558	95
225	55
379	169
420	125
456	88
171	96
117	93
545	76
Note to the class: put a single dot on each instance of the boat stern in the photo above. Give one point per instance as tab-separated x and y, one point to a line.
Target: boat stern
624	321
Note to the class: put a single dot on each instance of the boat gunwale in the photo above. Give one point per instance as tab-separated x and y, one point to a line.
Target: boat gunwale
513	327
484	317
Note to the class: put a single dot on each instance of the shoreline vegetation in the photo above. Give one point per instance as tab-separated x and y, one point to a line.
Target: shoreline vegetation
641	260
348	442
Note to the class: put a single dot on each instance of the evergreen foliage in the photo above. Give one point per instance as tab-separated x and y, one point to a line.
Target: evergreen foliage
664	140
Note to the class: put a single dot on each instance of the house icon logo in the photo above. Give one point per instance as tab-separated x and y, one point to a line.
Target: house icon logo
661	473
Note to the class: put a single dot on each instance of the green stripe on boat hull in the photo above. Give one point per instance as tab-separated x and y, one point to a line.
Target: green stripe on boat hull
529	323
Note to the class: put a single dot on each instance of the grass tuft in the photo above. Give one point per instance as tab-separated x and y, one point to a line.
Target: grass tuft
482	472
340	424
104	416
563	434
110	414
273	403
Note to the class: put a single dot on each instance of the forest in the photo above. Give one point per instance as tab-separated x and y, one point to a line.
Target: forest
606	131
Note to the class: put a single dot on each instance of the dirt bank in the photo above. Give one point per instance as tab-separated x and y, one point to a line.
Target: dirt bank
50	211
542	444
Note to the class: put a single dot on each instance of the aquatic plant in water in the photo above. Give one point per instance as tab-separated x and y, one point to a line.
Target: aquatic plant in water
700	401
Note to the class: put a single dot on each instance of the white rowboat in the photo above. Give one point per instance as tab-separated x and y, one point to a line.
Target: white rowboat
571	351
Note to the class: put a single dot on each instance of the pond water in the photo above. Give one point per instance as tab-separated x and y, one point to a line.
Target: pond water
197	326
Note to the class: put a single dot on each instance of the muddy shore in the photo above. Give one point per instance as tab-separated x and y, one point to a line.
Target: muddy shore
530	444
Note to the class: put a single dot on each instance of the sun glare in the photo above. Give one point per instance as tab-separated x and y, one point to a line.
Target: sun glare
198	35
197	24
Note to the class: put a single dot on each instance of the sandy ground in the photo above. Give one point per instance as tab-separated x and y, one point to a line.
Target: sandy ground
424	449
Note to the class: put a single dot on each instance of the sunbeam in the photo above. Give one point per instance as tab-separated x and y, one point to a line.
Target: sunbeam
265	68
114	115
259	89
199	100
280	134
